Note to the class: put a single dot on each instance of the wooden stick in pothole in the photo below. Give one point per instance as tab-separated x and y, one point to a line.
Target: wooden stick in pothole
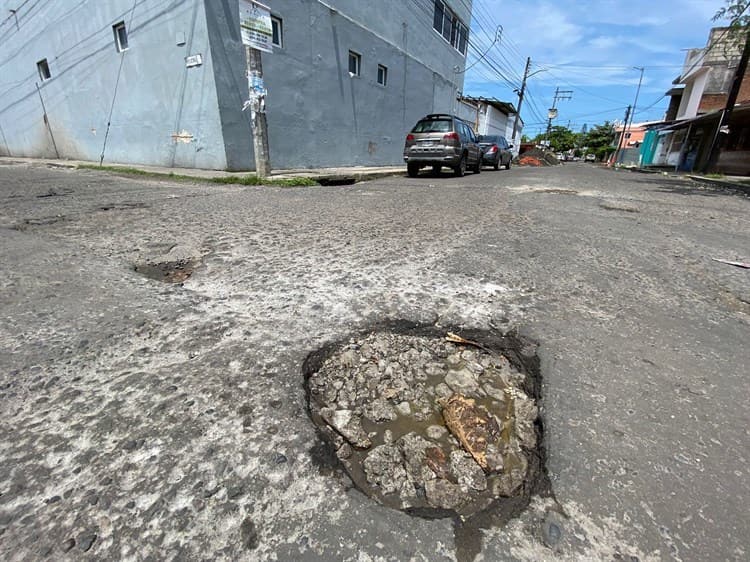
455	338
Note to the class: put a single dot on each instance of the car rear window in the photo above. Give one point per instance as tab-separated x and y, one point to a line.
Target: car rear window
433	126
489	138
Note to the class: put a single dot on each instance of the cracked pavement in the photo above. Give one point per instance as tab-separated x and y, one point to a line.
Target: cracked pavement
143	420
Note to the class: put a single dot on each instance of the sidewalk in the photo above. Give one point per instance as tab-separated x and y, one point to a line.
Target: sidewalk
736	183
324	176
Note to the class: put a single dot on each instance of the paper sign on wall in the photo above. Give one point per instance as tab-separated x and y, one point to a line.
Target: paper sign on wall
255	25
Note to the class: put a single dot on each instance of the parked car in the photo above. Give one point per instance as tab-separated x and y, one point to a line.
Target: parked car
495	151
439	140
590	157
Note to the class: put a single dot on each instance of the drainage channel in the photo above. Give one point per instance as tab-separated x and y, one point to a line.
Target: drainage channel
434	423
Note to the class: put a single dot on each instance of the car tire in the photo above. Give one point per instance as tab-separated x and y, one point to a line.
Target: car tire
507	166
436	170
496	165
412	170
477	169
460	170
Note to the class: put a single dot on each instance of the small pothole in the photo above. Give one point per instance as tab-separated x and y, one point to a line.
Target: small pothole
431	423
557	191
176	271
619	207
125	206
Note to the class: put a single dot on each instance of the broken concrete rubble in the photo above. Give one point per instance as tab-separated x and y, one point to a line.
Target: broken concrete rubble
348	424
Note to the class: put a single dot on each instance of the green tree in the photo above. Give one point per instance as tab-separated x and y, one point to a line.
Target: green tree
599	136
560	138
736	11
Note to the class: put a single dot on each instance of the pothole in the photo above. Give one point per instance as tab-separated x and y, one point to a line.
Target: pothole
55	193
175	265
41	221
430	423
619	207
126	206
557	191
168	272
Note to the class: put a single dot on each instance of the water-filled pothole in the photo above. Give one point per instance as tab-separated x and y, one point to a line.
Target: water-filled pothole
433	424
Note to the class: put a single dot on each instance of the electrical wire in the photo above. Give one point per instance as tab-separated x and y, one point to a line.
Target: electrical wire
475	46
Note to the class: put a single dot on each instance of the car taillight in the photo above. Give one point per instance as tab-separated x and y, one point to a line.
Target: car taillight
493	148
450	136
410	137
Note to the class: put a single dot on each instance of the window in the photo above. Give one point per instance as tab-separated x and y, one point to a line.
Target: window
355	63
447	24
463	39
43	69
121	36
278	31
433	126
437	22
382	75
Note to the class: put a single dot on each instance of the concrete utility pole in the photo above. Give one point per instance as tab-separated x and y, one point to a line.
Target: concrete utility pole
726	115
520	98
258	113
628	124
559	95
622	136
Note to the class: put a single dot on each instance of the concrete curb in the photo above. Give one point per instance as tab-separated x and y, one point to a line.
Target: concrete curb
726	184
324	176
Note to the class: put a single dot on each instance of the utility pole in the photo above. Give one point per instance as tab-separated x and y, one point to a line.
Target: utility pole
559	95
520	98
635	103
257	104
726	115
622	136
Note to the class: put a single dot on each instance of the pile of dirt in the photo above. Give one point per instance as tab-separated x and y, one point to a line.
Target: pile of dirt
424	424
537	157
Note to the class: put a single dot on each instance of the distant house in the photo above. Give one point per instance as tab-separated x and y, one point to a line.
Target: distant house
633	137
491	116
698	98
630	140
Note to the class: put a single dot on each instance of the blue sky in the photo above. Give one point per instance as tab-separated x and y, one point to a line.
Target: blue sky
589	47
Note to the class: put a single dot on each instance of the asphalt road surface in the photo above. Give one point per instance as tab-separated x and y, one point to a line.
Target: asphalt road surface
144	420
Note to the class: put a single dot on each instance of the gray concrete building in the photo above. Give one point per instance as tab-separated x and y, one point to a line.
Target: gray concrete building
162	82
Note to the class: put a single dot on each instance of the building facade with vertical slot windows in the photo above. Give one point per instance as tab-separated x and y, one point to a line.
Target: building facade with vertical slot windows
162	82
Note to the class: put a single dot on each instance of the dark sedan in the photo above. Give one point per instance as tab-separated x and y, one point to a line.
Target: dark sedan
496	151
